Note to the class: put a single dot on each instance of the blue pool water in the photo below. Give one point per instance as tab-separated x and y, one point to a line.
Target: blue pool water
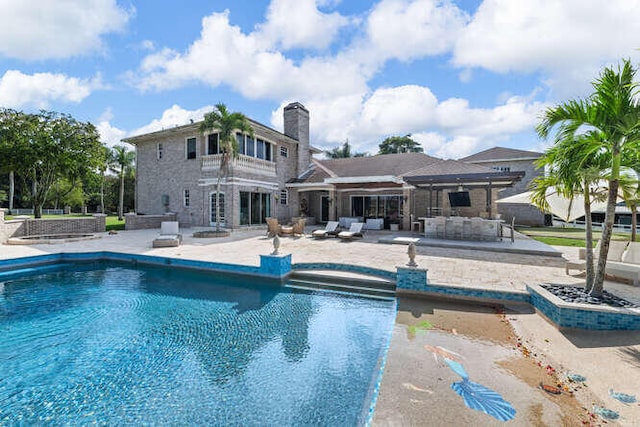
116	344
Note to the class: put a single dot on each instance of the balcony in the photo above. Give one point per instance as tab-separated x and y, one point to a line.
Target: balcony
240	163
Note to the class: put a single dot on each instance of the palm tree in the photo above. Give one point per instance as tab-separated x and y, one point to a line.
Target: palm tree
124	160
343	152
225	124
612	111
573	167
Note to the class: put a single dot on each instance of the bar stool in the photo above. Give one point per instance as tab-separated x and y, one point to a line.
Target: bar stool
414	223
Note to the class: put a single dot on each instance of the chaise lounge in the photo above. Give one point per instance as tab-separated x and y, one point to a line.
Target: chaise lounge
355	230
329	230
169	235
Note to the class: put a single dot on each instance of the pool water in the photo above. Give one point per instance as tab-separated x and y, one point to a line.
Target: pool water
117	344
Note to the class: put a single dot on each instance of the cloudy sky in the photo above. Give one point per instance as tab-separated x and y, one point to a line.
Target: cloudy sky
460	76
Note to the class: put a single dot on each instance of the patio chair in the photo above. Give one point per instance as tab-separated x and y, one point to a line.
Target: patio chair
331	229
298	227
169	235
354	231
273	227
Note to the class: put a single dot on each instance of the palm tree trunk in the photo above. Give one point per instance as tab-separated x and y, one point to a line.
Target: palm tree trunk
588	238
634	221
121	201
598	283
12	190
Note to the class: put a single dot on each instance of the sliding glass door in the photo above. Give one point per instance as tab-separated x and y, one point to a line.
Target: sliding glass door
254	208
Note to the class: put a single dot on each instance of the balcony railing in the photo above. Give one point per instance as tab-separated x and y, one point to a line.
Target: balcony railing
240	163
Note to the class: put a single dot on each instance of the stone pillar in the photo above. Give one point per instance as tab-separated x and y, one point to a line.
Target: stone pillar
100	223
1	216
410	278
407	208
277	266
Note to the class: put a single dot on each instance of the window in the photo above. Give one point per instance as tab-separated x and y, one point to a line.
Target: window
159	150
267	151
250	146
185	198
191	148
240	141
284	152
501	168
284	197
213	144
260	148
387	207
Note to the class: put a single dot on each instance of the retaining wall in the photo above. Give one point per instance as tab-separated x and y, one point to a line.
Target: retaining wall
143	222
50	226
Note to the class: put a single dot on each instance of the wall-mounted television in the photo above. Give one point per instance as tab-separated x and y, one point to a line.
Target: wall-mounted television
458	199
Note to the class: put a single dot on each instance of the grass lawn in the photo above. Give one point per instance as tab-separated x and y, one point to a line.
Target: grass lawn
559	236
112	220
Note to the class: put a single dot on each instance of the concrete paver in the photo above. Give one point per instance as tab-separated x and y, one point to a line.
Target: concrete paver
608	362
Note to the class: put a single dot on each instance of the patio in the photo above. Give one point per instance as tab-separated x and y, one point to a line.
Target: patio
606	358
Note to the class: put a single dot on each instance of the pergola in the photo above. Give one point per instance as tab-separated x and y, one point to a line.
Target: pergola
487	181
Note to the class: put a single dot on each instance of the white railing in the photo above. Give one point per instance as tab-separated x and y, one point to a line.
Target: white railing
240	163
44	211
596	226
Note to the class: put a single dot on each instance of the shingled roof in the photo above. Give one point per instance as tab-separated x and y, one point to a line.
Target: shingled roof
501	154
396	165
382	164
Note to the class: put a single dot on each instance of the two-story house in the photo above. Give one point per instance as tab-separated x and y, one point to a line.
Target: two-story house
177	170
274	175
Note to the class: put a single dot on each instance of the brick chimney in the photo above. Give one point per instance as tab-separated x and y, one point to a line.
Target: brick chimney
296	126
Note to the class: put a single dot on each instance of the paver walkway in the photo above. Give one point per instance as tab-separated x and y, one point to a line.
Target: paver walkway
610	359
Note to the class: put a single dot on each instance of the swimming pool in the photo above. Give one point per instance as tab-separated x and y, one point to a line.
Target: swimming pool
108	343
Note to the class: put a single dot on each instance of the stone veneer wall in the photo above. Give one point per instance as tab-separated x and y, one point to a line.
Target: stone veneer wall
50	226
142	222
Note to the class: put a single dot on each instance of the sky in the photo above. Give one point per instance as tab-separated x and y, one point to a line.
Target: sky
460	76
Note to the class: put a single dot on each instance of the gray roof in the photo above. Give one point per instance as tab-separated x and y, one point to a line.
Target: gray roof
397	165
501	153
382	164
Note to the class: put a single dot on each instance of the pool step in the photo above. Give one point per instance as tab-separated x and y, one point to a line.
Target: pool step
375	288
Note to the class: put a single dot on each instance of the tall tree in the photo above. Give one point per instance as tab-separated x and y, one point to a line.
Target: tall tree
124	161
58	146
12	146
573	167
343	152
400	144
225	124
613	110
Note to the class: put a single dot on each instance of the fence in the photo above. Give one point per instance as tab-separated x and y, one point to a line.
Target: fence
594	225
44	211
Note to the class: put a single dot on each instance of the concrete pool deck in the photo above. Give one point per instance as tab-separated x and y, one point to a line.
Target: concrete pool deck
607	359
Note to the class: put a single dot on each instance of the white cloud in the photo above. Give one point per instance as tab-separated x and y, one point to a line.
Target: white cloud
45	29
451	128
110	135
555	40
172	117
18	90
567	40
411	29
299	24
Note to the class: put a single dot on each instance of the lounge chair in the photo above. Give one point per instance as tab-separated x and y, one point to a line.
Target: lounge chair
329	230
354	231
169	235
273	227
616	265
